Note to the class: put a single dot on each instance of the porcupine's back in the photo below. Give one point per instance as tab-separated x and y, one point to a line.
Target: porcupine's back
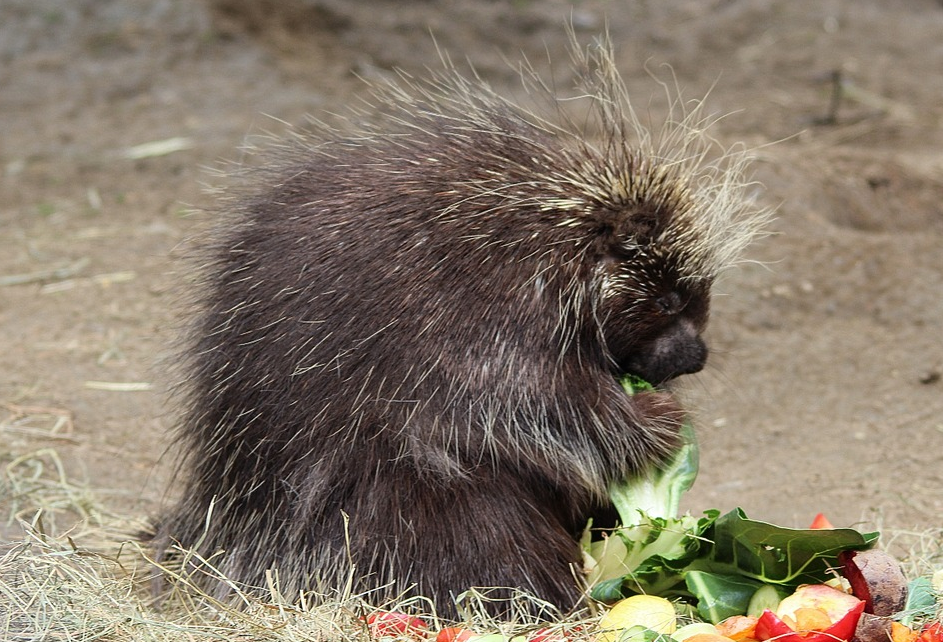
407	317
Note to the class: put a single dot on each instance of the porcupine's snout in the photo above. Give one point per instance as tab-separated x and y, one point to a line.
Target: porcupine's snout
678	351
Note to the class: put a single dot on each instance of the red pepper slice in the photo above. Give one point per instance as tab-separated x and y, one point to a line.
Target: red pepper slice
821	522
394	623
769	626
454	634
931	633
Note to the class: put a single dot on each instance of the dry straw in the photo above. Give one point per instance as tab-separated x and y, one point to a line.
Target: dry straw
89	580
76	573
52	589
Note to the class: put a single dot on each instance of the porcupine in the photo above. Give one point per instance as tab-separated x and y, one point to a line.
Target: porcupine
405	367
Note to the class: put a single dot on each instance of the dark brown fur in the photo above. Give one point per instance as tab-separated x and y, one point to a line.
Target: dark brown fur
405	368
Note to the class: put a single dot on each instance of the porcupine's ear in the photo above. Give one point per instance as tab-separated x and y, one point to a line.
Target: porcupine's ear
639	225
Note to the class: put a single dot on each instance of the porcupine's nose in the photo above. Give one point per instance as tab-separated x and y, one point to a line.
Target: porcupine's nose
677	352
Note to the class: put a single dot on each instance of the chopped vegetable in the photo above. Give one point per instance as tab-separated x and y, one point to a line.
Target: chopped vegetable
768	626
833	603
899	632
821	521
766	597
932	632
738	627
394	623
688	631
873	628
720	595
921	602
876	578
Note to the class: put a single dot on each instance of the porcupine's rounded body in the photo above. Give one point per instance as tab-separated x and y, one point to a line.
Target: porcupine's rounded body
405	366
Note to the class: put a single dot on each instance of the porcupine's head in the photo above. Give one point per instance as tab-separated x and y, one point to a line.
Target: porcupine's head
665	233
660	214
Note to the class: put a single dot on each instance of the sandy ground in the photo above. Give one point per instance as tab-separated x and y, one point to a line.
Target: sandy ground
824	392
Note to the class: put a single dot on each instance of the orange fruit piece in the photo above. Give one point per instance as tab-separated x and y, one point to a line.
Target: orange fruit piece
811	619
737	627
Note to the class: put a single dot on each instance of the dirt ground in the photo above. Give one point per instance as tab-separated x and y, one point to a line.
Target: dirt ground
824	392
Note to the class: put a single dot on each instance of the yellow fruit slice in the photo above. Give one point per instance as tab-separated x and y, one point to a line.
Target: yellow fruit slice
648	611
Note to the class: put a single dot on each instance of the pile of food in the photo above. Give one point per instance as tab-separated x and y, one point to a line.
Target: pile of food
867	600
724	578
733	578
876	607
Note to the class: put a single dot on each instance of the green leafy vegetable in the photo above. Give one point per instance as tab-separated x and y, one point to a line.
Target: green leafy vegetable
717	562
720	595
764	554
654	546
921	602
657	493
779	555
650	556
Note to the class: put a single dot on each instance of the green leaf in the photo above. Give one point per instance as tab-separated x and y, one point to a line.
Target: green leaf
720	596
652	556
921	602
632	384
778	555
657	492
608	591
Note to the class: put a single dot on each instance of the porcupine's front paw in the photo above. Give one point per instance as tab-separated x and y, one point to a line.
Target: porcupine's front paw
663	419
659	405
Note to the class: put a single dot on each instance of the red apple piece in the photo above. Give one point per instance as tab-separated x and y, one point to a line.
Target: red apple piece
835	603
839	609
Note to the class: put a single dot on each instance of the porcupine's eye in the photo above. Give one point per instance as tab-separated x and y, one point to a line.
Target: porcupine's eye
669	304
